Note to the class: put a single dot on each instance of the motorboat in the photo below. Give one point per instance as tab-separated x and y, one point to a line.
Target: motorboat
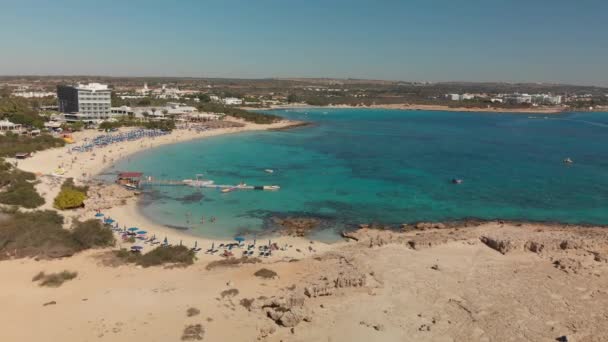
568	161
269	171
457	181
271	187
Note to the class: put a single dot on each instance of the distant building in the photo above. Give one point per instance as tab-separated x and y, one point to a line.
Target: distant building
34	94
460	97
121	111
232	101
91	102
7	126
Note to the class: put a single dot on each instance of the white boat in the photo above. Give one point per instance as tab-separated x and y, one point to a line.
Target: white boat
197	182
568	161
271	187
269	171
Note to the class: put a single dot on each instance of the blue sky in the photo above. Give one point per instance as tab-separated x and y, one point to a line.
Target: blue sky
434	40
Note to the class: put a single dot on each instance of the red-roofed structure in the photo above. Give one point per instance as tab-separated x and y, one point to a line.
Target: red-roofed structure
130	180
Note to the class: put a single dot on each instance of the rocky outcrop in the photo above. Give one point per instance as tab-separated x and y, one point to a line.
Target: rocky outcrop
500	245
286	312
327	287
297	226
429	225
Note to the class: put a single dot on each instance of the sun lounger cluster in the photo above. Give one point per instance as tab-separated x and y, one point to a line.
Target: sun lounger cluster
223	249
108	139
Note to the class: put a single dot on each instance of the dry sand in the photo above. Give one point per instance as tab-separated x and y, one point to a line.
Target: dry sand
420	285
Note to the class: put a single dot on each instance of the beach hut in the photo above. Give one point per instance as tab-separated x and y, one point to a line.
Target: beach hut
130	180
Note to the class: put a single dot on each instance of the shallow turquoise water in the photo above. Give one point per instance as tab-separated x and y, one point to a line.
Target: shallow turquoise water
386	166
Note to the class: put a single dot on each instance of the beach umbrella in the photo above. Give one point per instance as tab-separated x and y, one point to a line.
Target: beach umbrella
239	239
195	244
136	248
132	229
99	215
166	242
142	232
109	220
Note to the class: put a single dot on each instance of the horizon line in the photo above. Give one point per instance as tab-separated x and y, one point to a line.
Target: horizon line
308	78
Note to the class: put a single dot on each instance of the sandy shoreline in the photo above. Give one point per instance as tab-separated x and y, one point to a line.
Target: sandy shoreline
87	165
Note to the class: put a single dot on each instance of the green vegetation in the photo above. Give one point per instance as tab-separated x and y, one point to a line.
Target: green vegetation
73	127
14	143
19	110
265	273
92	234
70	196
258	118
231	262
180	255
54	279
41	234
165	125
17	187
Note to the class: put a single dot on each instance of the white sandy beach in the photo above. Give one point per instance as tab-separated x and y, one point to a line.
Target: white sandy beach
83	166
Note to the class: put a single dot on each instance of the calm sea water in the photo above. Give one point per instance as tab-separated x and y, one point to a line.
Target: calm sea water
390	167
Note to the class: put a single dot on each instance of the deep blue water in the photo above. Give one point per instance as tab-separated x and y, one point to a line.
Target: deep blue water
391	167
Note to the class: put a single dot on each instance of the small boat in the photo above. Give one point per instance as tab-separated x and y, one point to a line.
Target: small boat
568	161
130	186
269	171
457	181
271	187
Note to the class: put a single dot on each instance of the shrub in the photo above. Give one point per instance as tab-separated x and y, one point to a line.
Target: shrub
15	143
36	233
160	255
92	233
167	255
69	199
70	196
54	279
18	187
194	332
192	312
265	273
231	262
229	293
41	234
21	193
247	302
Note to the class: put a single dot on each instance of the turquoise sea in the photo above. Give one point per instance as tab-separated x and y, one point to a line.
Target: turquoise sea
387	166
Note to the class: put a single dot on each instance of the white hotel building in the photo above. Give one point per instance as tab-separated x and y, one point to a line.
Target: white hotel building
88	103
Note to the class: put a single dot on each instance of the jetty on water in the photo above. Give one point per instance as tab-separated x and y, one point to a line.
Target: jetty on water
135	180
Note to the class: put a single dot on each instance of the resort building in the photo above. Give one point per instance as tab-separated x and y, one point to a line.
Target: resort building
232	101
121	111
91	102
7	126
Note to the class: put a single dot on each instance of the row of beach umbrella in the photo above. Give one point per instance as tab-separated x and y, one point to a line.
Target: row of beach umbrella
107	139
